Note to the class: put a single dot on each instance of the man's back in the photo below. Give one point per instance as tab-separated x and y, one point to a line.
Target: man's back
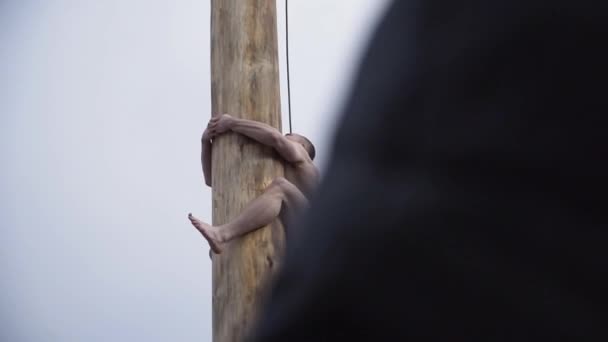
305	176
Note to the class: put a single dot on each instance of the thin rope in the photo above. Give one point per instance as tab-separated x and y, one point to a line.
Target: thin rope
287	55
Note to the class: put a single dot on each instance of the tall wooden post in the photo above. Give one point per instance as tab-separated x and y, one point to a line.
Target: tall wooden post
244	83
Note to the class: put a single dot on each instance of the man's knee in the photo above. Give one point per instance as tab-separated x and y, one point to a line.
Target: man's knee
280	184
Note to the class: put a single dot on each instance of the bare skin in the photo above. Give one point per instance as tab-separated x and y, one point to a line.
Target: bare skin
284	198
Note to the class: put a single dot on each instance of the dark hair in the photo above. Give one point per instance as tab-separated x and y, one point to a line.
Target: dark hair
310	148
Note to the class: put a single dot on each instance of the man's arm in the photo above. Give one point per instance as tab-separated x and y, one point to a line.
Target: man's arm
206	156
261	133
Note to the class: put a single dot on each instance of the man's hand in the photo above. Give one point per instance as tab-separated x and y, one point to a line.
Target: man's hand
207	135
210	132
221	124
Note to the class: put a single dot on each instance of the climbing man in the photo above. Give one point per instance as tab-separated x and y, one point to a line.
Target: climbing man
283	197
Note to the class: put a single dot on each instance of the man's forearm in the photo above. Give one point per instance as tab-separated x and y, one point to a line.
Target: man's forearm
258	131
206	161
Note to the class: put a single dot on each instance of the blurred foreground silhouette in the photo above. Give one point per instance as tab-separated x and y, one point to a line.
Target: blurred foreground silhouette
466	193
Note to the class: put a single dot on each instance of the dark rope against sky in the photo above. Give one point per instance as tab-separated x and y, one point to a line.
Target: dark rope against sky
287	55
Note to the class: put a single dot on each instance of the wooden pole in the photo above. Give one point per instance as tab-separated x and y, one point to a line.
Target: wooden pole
244	83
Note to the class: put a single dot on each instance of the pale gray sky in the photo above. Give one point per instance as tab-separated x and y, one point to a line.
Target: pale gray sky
102	106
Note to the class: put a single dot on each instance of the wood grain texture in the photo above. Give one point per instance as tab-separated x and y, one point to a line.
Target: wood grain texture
244	83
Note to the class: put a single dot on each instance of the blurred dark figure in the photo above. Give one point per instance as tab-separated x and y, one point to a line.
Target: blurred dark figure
466	197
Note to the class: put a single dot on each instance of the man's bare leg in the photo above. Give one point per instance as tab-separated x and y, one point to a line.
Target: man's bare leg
258	213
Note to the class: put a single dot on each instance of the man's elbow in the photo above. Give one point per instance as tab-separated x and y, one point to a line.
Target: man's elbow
207	179
277	140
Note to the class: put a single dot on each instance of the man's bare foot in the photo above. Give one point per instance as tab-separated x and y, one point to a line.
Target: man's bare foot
208	232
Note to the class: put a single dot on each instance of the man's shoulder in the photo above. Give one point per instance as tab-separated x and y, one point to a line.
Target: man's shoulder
305	167
303	157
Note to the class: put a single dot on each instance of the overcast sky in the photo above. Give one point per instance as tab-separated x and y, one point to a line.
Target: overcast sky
102	104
